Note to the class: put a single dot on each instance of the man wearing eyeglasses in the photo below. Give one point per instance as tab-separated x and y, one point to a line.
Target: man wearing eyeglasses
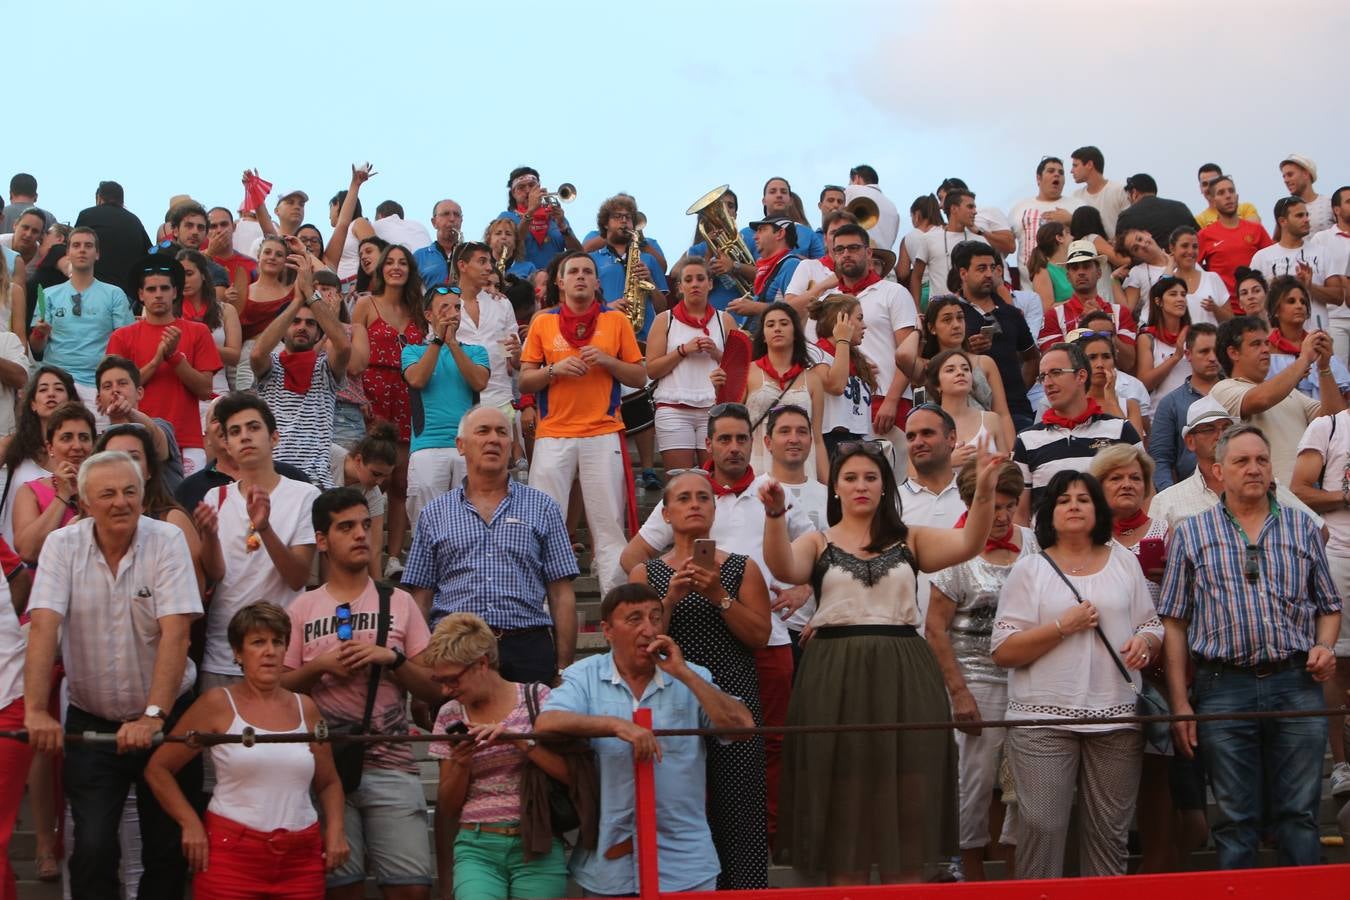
72	326
1247	595
1072	430
334	643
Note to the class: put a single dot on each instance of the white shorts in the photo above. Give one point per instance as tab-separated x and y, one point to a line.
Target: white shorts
681	428
1340	576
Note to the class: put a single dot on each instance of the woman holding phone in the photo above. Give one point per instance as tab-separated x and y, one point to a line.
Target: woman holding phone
1165	822
717	612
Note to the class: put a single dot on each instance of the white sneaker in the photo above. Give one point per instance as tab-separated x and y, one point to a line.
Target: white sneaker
393	568
1340	781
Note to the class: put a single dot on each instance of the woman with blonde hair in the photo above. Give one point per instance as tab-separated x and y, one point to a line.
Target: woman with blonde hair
503	844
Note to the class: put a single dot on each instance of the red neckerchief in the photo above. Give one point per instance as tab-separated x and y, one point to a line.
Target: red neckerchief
1167	337
1129	523
299	369
737	489
861	285
827	261
538	223
764	268
1281	344
1053	417
827	344
785	378
681	314
193	313
578	328
992	543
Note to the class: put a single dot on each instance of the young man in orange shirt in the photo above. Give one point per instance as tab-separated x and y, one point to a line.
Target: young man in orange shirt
576	356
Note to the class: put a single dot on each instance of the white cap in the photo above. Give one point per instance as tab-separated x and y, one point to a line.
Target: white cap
1206	409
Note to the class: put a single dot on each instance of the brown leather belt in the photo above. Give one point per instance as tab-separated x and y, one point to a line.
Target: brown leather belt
506	830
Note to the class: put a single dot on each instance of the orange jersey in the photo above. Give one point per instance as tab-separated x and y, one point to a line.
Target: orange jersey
587	406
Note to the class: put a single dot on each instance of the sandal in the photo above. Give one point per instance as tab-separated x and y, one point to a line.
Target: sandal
48	867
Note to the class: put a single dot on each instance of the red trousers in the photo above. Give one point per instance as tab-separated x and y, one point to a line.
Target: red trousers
774	667
14	759
243	864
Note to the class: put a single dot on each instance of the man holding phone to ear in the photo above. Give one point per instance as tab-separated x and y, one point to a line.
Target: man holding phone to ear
995	328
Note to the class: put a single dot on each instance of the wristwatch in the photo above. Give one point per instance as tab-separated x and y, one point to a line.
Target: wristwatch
436	340
726	603
314	298
399	659
154	712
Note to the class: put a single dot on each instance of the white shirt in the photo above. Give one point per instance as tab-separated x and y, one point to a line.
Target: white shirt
376	502
920	506
1110	201
935	249
110	630
11	350
738	527
496	320
1334	246
1320	216
887	307
884	233
810	497
1333	449
1027	217
250	576
248	235
398	230
1278	259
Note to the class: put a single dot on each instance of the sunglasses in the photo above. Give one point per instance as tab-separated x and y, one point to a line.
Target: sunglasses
442	289
722	409
1079	334
77	303
162	245
1251	563
867	448
343	614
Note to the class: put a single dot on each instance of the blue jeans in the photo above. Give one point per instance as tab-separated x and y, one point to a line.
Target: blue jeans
1254	762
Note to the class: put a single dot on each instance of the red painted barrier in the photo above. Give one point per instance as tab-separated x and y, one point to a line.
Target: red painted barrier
644	797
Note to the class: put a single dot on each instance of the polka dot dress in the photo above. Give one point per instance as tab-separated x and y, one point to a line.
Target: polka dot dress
736	786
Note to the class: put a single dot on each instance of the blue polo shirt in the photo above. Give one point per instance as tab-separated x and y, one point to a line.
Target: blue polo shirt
611	270
438	407
431	265
685	852
79	343
539	254
776	289
522	269
810	243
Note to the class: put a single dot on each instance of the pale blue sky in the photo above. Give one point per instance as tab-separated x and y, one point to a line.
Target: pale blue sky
174	98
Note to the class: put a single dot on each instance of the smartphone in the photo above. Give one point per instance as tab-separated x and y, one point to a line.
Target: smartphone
457	728
705	554
989	331
1152	554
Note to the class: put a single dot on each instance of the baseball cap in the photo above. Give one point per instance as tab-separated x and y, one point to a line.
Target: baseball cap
1206	409
293	193
1083	251
779	222
1302	162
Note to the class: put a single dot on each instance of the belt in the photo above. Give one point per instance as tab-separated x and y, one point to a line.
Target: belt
1260	670
840	631
507	830
515	632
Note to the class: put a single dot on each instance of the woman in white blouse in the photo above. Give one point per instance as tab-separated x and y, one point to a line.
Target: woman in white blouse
1046	632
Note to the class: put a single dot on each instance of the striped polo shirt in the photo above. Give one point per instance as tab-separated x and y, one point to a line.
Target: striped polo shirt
1042	450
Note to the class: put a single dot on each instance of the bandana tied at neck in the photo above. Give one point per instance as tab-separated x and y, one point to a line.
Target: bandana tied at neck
298	369
764	268
860	285
578	328
682	314
992	543
1281	344
1128	524
1053	417
737	488
785	379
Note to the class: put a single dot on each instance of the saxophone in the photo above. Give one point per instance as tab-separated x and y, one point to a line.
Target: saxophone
501	266
635	289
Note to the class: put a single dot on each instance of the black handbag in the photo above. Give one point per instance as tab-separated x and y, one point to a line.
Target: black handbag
562	813
1149	701
349	757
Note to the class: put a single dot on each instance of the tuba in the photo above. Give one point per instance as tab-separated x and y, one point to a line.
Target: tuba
718	227
865	210
635	289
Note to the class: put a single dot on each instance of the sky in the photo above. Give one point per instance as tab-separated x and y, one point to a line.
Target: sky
446	98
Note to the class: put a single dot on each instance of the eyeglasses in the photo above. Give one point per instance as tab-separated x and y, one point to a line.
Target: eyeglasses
77	303
1251	563
343	614
849	248
1079	334
1052	373
452	680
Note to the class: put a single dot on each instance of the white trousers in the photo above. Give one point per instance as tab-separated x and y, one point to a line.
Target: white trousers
431	472
978	767
597	462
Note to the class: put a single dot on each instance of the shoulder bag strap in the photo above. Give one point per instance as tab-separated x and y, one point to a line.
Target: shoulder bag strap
1115	658
781	394
385	592
9	481
532	700
1321	476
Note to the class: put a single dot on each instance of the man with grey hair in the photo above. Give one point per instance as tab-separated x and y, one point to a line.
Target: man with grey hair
120	591
499	549
433	259
1247	596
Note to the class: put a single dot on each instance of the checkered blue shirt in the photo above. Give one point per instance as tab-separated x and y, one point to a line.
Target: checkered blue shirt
498	569
1232	619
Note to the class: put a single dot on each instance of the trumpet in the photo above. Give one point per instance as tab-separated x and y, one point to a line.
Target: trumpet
566	193
718	227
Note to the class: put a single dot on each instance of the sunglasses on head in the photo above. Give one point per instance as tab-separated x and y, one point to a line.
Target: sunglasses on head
868	448
162	245
444	289
343	614
722	409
